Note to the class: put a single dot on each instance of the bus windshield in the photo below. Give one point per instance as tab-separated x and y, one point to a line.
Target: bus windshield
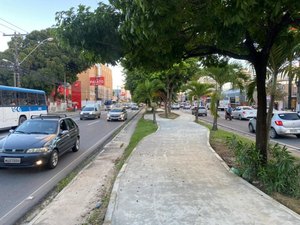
19	104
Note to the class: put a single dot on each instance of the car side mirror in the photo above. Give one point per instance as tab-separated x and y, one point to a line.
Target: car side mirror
64	132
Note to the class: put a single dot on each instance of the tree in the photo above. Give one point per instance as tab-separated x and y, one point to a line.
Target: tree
241	29
222	74
146	92
196	89
49	64
94	33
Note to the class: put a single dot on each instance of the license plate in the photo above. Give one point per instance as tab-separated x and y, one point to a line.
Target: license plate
12	160
294	131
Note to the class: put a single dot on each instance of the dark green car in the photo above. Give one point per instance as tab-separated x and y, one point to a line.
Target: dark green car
39	141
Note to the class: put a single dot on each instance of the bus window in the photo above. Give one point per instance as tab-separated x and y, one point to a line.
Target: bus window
22	98
32	100
41	99
9	98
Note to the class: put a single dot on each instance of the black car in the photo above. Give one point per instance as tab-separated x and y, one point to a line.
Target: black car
39	141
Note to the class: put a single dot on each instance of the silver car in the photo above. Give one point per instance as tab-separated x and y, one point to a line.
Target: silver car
117	114
282	123
91	111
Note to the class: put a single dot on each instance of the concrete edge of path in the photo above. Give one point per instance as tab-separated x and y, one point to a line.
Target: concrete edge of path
114	193
247	183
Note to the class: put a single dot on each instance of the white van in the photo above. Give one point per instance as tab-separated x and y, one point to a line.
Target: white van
90	111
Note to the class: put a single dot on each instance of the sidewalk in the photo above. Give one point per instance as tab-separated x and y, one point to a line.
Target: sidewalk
174	178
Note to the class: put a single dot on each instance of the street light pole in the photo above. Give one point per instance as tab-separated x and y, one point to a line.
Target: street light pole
16	64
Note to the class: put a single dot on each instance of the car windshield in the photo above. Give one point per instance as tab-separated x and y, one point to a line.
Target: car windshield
88	108
116	110
37	127
201	107
289	116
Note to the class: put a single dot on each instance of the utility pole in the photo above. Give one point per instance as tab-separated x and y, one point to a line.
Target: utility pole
16	66
16	56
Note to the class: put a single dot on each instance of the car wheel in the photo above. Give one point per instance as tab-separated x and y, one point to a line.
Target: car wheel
273	133
80	118
53	160
22	119
240	117
76	146
251	129
298	135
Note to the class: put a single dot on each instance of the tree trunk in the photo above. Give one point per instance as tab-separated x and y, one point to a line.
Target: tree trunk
261	125
215	121
166	107
271	105
196	110
290	92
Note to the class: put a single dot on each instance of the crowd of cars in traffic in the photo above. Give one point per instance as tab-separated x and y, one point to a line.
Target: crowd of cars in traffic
282	122
41	140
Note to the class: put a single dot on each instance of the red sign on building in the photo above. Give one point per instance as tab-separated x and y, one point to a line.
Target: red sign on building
76	94
96	81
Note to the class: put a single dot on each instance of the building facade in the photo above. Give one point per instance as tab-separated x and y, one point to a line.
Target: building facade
96	83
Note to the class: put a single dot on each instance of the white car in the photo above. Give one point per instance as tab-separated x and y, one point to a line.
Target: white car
282	123
244	112
202	111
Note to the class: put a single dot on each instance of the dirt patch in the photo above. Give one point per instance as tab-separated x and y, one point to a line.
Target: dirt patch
169	116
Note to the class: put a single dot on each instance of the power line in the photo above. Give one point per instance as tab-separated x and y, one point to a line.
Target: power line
7	27
13	25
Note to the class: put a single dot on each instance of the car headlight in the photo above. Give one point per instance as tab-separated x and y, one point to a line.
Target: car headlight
37	150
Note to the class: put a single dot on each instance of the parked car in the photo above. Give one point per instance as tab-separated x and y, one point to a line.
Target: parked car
91	111
282	123
117	114
39	141
243	112
175	106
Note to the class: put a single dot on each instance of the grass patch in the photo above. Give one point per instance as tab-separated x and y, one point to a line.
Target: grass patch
64	182
143	128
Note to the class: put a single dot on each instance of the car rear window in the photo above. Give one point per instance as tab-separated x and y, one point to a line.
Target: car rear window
289	116
247	108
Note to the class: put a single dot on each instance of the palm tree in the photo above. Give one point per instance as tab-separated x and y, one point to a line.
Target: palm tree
229	73
147	92
198	90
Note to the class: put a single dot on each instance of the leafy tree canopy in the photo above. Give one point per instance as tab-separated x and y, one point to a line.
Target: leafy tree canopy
95	33
48	65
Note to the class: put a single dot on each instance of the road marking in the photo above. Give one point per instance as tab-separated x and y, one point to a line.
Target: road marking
93	123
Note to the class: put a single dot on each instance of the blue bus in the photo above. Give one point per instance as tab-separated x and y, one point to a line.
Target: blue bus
19	104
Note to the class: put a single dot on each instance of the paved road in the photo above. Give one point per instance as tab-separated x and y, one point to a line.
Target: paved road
21	189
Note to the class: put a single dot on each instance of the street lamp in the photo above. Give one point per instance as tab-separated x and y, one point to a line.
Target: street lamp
16	64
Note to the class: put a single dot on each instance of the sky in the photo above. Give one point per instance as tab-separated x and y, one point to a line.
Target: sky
24	16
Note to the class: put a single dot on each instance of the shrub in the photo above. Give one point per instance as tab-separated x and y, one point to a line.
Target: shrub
247	157
280	174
